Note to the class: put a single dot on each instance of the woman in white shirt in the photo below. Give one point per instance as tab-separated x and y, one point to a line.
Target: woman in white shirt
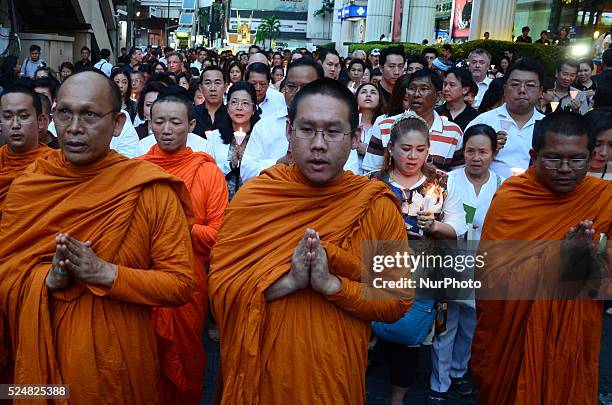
223	144
370	105
474	185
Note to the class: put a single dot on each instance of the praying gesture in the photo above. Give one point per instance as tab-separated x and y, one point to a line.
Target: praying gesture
74	258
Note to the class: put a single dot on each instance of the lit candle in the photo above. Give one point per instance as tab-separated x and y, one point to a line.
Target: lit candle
517	171
573	94
554	105
208	134
239	136
430	198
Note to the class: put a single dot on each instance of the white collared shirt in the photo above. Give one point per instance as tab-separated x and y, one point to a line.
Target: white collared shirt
483	86
127	141
515	153
195	142
273	104
105	66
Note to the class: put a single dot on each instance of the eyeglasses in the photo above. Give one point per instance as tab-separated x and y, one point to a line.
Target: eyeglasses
242	104
63	118
556	164
421	90
292	88
330	135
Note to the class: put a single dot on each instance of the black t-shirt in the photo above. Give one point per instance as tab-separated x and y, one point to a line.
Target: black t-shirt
386	95
79	66
203	121
463	119
526	40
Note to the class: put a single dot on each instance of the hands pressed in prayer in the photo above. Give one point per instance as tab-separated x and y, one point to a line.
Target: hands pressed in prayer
77	259
302	261
502	136
583	231
321	280
237	156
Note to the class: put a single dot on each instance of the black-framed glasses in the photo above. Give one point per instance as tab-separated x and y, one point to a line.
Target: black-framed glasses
330	135
556	164
63	117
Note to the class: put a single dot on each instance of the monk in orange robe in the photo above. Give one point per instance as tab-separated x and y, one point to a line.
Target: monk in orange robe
179	330
284	282
544	352
22	117
89	242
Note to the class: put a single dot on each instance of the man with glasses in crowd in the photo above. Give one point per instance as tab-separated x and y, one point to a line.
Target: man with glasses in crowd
302	295
212	114
111	241
269	100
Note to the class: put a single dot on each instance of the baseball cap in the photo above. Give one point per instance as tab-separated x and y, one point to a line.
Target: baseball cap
375	52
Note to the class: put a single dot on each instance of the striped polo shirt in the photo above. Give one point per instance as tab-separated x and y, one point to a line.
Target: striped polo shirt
445	138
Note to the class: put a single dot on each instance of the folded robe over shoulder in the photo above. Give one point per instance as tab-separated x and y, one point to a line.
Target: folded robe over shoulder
97	340
179	330
303	348
13	164
540	352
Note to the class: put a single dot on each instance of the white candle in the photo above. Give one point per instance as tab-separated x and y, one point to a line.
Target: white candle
554	105
239	136
517	171
573	94
208	134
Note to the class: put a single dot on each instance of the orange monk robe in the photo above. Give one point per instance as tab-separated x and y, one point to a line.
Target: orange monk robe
97	340
179	330
12	164
540	352
304	348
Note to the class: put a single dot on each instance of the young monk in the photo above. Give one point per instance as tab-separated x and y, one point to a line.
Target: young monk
284	278
22	119
544	352
89	242
179	330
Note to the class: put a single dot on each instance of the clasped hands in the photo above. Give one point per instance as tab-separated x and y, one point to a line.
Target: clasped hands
309	266
76	259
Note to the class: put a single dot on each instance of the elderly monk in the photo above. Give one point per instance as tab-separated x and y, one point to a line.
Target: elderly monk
22	119
284	279
179	330
89	242
545	352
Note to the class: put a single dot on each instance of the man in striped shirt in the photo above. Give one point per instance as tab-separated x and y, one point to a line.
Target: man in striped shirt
446	138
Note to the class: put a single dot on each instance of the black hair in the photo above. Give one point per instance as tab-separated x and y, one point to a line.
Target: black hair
105	53
448	47
133	51
227	134
603	95
85	48
525	28
564	123
34	48
150	87
463	75
588	61
600	120
568	62
324	52
173	95
526	65
45	104
260	68
228	67
435	79
306	61
509	64
274	69
163	65
22	89
548	83
210	69
481	129
416	59
357	62
327	87
395	105
186	75
254	46
430	50
48	83
543	32
381	100
494	93
128	93
392	50
606	58
67	65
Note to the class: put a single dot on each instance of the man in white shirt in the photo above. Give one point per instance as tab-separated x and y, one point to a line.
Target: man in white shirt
104	64
515	120
268	144
201	57
269	101
479	62
33	62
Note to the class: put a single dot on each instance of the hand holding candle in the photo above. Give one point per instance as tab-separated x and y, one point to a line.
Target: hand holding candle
554	105
573	94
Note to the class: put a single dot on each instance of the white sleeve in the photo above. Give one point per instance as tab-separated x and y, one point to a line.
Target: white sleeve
454	214
127	142
253	161
371	161
352	164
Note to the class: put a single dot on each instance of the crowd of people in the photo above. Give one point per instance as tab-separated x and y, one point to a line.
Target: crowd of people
149	201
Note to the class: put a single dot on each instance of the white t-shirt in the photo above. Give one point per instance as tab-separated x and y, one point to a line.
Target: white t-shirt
273	103
460	185
127	141
515	153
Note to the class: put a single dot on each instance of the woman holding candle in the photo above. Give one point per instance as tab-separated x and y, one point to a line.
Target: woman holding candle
429	211
227	144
